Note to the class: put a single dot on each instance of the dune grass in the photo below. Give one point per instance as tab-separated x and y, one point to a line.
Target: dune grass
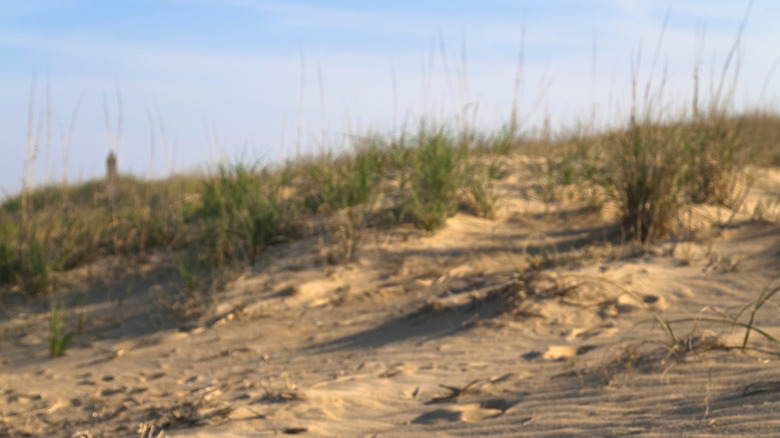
651	170
241	213
228	217
435	177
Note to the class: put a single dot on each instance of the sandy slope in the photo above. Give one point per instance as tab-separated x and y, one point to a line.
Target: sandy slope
427	336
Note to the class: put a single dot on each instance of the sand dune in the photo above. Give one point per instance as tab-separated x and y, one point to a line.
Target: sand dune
430	335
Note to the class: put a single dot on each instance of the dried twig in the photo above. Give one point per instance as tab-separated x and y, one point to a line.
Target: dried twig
456	392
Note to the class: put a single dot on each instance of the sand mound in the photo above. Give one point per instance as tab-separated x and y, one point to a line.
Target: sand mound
530	325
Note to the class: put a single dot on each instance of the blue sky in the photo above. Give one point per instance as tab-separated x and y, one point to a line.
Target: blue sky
208	80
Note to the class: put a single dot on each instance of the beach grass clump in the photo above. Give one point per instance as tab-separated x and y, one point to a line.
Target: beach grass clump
478	194
55	228
647	179
718	154
243	214
649	169
658	168
344	181
152	214
29	247
435	179
480	197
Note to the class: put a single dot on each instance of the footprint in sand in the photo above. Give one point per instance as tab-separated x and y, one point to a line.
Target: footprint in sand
143	377
108	392
438	416
559	352
470	413
632	303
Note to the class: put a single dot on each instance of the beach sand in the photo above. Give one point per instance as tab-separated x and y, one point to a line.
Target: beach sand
541	322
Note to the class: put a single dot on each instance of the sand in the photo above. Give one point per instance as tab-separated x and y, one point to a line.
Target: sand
444	334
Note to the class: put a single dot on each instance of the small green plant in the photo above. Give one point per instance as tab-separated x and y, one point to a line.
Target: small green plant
59	337
666	327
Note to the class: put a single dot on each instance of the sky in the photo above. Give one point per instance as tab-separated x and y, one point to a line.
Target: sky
179	85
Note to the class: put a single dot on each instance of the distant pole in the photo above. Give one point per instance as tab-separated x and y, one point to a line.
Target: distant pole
112	190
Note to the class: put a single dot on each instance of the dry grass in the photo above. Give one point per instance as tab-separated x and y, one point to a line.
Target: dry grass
650	171
227	218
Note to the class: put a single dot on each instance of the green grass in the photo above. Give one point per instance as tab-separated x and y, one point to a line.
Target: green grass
346	181
228	218
435	178
242	213
650	170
